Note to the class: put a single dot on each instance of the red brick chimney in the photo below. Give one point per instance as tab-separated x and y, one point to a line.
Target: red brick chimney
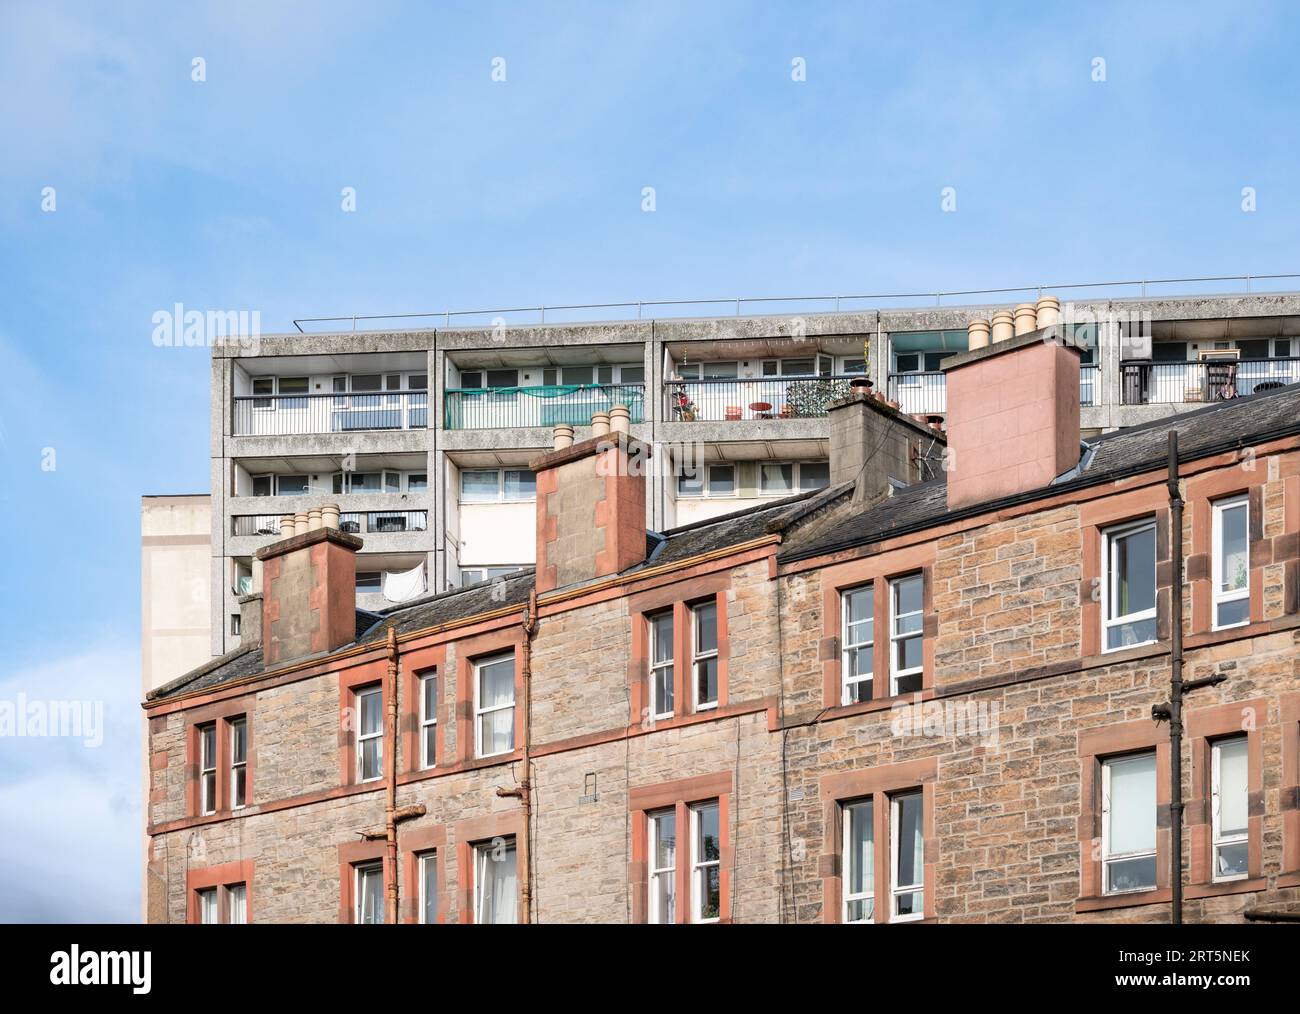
309	588
1013	413
590	504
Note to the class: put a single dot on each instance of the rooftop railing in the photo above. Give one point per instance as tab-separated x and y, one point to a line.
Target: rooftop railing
652	309
356	522
731	400
926	393
1204	380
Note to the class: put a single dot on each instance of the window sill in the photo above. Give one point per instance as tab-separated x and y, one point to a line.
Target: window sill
1135	899
1215	890
1288	880
875	704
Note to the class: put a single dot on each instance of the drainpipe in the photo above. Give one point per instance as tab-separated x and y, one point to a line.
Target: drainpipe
1176	682
390	775
524	792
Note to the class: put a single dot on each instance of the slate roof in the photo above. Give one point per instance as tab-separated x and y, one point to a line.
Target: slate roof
836	523
1223	426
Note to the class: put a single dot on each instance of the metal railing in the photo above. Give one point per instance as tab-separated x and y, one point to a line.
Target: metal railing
927	392
544	405
578	312
758	398
1203	381
281	414
356	522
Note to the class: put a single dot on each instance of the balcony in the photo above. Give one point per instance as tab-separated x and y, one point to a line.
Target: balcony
1189	382
541	406
758	398
925	393
282	415
357	523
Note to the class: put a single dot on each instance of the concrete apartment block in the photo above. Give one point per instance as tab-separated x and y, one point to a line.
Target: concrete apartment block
175	564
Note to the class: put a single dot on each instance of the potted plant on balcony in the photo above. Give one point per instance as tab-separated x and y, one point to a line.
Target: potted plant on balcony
864	383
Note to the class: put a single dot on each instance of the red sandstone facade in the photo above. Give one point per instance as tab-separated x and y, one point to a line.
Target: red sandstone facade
1008	817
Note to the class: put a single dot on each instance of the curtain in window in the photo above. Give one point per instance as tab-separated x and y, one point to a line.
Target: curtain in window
498	886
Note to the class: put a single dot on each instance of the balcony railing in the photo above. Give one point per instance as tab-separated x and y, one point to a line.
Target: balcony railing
759	398
927	393
281	414
357	522
1203	381
548	405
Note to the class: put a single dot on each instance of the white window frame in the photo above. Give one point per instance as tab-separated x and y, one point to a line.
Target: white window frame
1108	538
423	860
501	486
1106	857
698	656
1217	838
705	492
847	647
699	865
378	692
483	855
207	767
897	890
1219	597
483	573
895	637
669	665
359	871
847	898
654	824
796	477
480	711
237	904
236	766
428	721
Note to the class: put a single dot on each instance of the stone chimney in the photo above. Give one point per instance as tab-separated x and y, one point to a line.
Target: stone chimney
591	503
872	443
250	620
1013	414
309	588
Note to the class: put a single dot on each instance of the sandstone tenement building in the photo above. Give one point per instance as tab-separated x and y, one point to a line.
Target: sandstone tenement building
909	696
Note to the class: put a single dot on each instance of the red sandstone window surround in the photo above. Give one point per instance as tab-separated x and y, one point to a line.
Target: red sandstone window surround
1111	754
221	758
879	847
681	850
356	860
220	894
361	689
1226	506
481	665
1225	815
878	628
425	894
680	650
1126	571
482	890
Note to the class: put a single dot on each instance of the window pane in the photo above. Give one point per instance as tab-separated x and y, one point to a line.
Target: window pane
479	487
418	381
576	375
777	478
521	484
498	893
661	633
430	687
498	731
859	612
709	843
908	596
293	385
429	887
417	482
239	741
238	899
368	702
860	858
1229	614
1135	573
632	375
691	485
910	869
1131	874
722	480
710	888
364	383
209	745
371	893
1233	786
814	475
665	848
1234	566
1137	632
371	758
292	485
261	485
706	628
497	683
1132	804
208	906
1231	860
719	371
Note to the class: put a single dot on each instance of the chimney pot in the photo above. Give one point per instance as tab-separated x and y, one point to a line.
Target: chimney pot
562	437
620	419
1002	326
977	334
1026	318
600	424
1049	311
288	526
301	523
330	516
314	522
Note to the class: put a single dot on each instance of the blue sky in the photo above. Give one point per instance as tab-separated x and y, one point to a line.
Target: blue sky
225	194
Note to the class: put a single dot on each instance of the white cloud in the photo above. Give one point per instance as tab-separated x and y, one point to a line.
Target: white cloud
73	843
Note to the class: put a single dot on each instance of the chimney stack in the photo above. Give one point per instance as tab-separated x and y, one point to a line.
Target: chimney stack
591	503
872	443
309	588
1013	414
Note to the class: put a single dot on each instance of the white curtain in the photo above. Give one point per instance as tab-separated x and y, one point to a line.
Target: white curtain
401	586
498	886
